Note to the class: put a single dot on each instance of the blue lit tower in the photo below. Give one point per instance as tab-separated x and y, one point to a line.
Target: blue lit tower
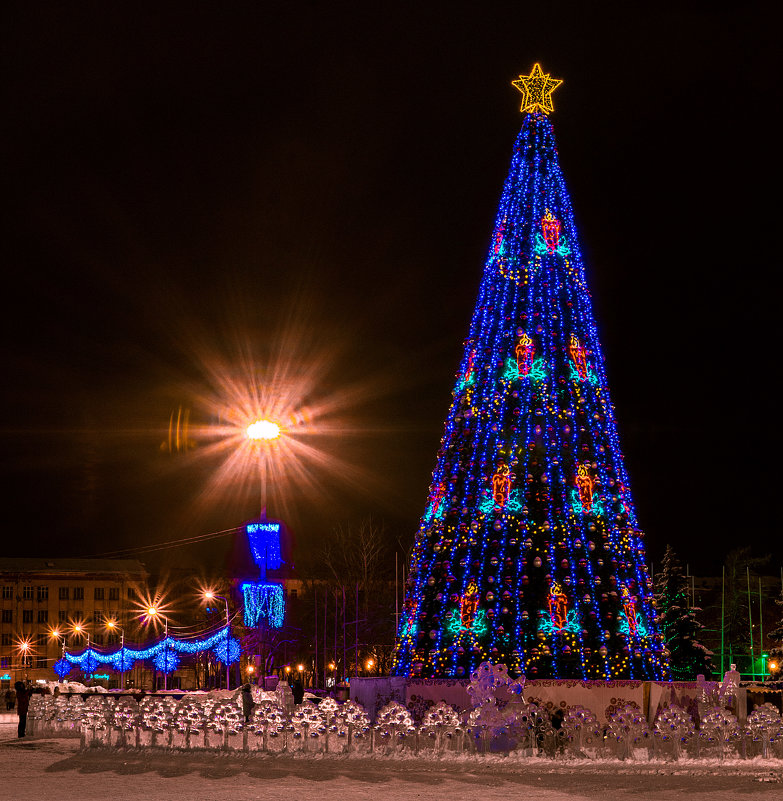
529	552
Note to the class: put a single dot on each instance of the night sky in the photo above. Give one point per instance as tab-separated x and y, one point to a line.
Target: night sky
206	190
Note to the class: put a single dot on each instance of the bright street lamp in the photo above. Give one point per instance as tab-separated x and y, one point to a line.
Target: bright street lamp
24	648
263	429
209	595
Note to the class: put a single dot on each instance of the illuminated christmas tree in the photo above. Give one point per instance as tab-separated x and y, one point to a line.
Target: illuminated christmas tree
529	552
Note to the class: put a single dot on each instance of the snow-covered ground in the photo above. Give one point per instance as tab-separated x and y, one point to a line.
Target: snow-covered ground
34	769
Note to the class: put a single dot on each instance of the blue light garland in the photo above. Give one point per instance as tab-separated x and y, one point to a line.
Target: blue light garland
264	541
164	653
263	603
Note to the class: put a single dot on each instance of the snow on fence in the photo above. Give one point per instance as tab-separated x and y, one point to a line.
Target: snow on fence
332	728
501	721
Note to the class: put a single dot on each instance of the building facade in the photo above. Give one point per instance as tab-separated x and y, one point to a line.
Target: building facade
49	604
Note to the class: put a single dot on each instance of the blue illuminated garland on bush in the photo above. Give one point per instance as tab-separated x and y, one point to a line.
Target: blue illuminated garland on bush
165	654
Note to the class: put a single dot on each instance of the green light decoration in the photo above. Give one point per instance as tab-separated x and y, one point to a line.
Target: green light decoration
511	372
548	626
456	630
590	377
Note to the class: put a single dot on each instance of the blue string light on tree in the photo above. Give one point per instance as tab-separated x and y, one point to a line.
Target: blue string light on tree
530	501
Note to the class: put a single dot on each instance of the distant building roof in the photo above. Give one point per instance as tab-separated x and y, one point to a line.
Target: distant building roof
75	566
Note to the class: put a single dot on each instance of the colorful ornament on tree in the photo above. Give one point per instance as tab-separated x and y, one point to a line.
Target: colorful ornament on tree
630	611
558	619
501	485
558	607
469	604
551	241
578	356
524	353
499	237
631	621
550	228
585	486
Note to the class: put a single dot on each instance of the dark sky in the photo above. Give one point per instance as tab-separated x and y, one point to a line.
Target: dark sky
234	184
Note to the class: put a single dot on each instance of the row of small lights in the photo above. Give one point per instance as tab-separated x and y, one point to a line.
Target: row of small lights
151	612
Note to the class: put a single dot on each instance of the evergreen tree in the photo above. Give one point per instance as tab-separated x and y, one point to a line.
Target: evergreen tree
677	620
776	653
529	552
740	565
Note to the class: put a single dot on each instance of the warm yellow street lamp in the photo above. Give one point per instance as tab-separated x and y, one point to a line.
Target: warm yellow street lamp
24	649
263	429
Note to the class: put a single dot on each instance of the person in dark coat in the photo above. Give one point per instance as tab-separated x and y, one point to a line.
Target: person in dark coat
247	702
297	690
22	705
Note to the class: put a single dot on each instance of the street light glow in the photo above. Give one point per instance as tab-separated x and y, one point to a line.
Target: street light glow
263	429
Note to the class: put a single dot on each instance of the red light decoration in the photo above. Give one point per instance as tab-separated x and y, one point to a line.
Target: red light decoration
524	351
469	604
499	236
469	368
629	607
579	356
585	485
558	606
550	228
501	485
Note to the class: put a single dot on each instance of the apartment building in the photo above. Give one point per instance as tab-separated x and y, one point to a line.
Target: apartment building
42	596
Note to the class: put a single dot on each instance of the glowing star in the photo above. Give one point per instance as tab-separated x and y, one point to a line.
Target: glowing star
536	90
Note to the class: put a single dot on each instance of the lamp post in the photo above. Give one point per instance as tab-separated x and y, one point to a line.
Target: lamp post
79	629
154	612
24	647
60	637
210	596
112	625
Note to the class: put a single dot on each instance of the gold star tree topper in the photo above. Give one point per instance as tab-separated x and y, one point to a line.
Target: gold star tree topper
537	90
